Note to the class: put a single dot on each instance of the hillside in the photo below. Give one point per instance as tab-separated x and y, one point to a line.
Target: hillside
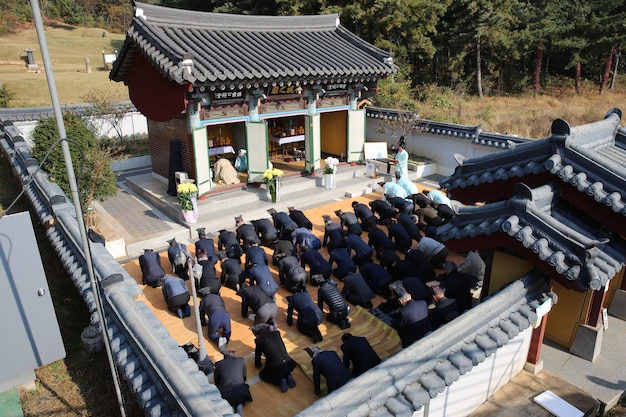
524	115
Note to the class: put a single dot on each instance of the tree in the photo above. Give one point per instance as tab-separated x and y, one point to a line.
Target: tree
107	111
95	178
5	96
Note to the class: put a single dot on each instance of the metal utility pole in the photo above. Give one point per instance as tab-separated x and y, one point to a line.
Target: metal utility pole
47	62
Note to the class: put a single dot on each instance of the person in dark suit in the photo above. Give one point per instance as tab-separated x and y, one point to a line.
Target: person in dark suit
261	304
378	239
424	269
227	242
377	278
458	285
291	275
356	290
176	295
303	239
349	222
356	349
333	234
246	233
152	271
278	363
283	223
266	231
401	204
362	251
417	289
212	307
230	378
365	215
300	218
398	268
262	277
318	265
309	314
283	248
208	281
207	244
384	211
413	323
400	236
446	309
337	306
345	264
232	276
255	255
410	226
178	255
327	363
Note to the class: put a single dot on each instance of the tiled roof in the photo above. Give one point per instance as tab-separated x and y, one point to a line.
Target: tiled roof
474	134
573	245
28	114
406	382
228	48
591	157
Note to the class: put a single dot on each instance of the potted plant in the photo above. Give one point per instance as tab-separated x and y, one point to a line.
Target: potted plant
187	196
330	170
273	178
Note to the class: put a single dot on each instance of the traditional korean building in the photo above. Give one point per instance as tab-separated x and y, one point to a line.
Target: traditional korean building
555	205
280	87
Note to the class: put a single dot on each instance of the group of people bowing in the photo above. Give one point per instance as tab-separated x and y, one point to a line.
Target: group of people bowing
417	299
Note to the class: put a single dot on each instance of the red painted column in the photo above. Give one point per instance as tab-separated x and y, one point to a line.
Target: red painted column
595	308
534	351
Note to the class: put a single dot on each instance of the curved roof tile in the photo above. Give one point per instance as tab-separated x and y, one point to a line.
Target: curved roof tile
238	48
576	248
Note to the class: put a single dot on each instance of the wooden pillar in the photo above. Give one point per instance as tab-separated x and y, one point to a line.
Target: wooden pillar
534	351
595	308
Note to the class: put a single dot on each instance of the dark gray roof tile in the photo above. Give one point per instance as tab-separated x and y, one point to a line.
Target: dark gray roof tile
498	336
474	353
486	344
240	48
462	362
448	371
432	383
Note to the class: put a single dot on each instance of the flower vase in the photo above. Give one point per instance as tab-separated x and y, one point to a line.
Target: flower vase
328	181
190	216
275	196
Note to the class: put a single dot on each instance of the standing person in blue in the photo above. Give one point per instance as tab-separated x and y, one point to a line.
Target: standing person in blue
300	218
178	255
402	161
207	244
230	378
176	295
356	349
213	307
365	215
261	276
356	290
208	283
318	265
337	306
362	251
261	304
345	264
283	223
309	314
152	271
349	222
278	363
327	363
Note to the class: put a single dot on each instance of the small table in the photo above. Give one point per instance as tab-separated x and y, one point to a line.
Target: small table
286	140
221	149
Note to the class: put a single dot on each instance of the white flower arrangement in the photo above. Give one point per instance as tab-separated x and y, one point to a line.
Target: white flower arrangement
330	165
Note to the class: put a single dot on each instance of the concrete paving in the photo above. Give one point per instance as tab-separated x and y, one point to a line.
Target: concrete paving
144	216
